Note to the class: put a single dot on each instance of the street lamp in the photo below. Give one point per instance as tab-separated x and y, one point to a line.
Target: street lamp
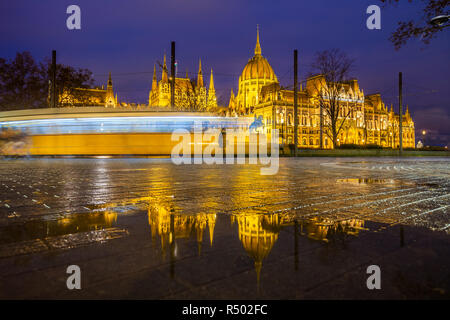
439	20
423	137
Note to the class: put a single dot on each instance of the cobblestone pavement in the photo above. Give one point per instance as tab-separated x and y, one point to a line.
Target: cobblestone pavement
145	228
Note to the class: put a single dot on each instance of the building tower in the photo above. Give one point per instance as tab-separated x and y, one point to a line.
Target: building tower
199	75
232	104
110	100
200	90
256	74
165	77
154	86
212	100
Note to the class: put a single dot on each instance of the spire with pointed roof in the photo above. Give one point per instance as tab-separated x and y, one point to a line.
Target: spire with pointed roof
212	99
258	46
232	103
200	75
211	82
109	98
155	80
109	80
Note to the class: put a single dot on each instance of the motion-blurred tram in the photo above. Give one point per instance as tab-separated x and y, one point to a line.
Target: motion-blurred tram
91	131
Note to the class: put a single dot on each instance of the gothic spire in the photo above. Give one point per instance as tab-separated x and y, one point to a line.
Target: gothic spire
211	82
109	80
212	99
155	80
165	78
200	75
258	46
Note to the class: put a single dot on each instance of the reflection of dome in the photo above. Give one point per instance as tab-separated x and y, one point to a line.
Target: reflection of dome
256	240
258	67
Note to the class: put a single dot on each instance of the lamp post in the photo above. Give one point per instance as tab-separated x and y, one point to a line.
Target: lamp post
439	20
423	137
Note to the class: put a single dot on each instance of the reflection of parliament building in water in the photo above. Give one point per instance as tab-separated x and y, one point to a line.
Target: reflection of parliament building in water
258	233
169	226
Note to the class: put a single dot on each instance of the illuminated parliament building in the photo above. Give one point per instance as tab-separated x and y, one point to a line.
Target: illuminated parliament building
368	119
365	119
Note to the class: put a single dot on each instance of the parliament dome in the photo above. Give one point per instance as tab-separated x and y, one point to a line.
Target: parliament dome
258	67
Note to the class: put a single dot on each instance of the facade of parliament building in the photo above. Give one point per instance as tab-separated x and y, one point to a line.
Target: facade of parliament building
365	119
189	95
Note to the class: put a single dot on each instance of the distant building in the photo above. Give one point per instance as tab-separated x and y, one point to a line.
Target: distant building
89	96
366	118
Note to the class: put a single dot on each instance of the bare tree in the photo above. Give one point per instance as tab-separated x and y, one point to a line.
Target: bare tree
421	28
332	68
24	83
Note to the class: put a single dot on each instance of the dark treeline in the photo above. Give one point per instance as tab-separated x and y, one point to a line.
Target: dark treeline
24	82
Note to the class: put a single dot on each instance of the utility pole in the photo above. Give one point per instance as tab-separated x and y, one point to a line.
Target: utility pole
53	99
321	125
172	71
400	112
295	102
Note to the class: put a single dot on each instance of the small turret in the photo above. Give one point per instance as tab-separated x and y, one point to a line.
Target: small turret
109	80
155	80
110	100
200	75
165	77
212	100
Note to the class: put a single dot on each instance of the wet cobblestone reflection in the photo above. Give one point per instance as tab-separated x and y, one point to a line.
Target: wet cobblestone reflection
145	228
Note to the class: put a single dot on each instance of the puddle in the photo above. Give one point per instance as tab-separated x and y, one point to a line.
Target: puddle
67	241
367	181
69	224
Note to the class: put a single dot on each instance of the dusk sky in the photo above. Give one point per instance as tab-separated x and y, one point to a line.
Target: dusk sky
128	37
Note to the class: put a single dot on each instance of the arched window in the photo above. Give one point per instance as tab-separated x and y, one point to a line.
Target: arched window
290	119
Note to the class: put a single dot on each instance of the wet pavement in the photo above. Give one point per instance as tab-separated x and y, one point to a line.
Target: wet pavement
148	229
